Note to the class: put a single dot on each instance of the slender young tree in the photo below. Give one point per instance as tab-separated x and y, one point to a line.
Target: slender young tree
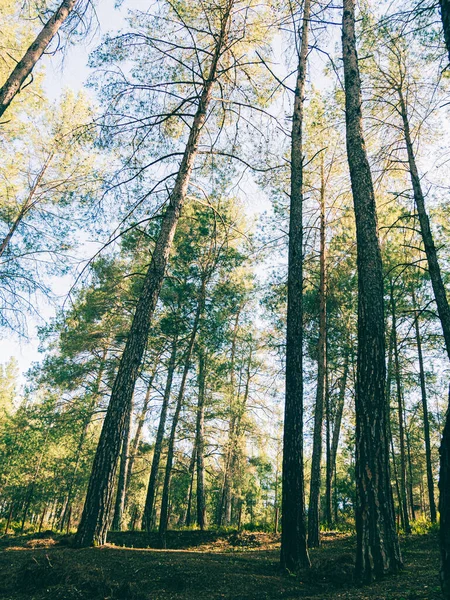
294	552
314	493
378	551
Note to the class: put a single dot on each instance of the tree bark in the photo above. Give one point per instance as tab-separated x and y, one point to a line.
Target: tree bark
200	443
294	552
224	509
426	421
164	516
117	522
444	507
445	16
148	516
314	493
377	545
26	65
94	520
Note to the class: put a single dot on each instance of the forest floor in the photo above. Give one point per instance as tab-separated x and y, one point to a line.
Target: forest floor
203	566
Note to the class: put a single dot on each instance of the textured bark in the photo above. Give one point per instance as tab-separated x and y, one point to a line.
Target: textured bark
314	490
148	516
444	506
94	521
377	544
164	516
445	16
200	443
117	522
401	425
426	421
26	65
294	552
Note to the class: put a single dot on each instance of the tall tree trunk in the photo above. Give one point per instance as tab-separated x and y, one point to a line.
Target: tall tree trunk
200	444
426	421
117	522
401	425
224	508
141	421
294	552
377	545
314	493
444	506
26	65
391	440
147	518
440	295
445	16
164	516
93	525
410	468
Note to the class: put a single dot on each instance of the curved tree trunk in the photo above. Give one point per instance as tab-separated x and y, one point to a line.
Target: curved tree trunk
25	66
377	544
294	552
94	521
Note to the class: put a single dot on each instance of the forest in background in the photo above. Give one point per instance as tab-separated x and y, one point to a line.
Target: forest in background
241	226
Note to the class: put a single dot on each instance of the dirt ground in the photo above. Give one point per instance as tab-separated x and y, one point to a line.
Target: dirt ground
203	566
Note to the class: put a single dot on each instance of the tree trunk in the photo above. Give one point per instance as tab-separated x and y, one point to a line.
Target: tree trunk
445	16
164	516
26	65
440	295
147	518
294	552
377	545
444	506
200	444
94	521
339	411
401	425
224	508
117	522
187	515
314	494
141	421
426	421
